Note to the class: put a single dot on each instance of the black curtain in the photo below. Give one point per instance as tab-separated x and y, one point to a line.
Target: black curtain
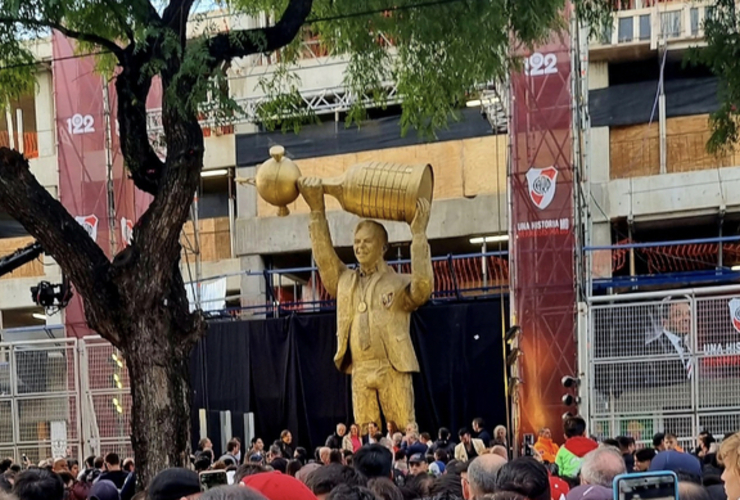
282	370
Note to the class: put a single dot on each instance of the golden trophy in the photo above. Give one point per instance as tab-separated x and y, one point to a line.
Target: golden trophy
378	190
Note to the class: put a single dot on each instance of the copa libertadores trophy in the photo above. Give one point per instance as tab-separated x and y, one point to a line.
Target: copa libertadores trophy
374	302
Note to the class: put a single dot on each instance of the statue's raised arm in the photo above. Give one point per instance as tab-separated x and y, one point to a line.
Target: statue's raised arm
422	274
329	264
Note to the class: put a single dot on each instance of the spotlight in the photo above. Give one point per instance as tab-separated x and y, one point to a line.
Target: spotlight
512	332
513	356
569	381
569	399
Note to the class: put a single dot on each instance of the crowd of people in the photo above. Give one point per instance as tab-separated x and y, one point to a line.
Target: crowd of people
395	465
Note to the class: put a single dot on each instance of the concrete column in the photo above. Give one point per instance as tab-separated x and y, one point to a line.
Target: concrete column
246	195
252	286
45	114
601	259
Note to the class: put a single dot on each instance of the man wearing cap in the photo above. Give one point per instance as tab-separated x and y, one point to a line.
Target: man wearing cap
175	484
418	465
682	464
104	489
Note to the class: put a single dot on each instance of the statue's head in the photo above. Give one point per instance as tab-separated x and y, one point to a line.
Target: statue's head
370	243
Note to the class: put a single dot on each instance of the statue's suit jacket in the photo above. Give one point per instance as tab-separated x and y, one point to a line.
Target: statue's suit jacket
390	297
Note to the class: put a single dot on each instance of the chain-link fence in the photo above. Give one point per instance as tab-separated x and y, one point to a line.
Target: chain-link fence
665	364
63	398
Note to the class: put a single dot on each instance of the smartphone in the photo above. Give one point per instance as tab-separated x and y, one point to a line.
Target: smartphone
661	485
528	444
213	478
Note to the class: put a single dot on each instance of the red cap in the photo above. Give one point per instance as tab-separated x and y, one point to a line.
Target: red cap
278	486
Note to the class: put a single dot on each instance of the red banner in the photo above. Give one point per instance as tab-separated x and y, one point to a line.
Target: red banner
543	243
85	163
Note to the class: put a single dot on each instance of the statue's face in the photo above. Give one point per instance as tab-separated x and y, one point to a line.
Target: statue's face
368	246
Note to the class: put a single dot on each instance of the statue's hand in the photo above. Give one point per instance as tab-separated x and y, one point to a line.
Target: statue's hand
313	192
421	219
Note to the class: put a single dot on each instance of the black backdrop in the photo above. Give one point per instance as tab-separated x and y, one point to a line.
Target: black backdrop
282	370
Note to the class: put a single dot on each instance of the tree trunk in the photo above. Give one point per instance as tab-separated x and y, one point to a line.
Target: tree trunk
160	389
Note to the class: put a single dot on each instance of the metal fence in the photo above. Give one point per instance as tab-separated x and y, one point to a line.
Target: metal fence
664	362
62	397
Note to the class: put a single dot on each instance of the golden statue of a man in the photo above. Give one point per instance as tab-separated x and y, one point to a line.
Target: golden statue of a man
374	306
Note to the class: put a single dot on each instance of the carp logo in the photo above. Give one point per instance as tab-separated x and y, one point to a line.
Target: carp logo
735	313
542	185
90	224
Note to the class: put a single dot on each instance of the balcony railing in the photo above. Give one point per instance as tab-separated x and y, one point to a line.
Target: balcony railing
652	22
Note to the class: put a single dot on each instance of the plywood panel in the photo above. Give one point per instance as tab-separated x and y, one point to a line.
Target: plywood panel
634	151
214	238
32	269
484	165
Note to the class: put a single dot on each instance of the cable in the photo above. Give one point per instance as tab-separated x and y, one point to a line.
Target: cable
338	17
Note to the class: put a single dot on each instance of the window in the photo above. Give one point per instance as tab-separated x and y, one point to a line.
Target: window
670	24
626	29
694	18
606	35
645	28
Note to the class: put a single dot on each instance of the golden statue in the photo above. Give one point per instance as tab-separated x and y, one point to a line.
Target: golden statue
374	305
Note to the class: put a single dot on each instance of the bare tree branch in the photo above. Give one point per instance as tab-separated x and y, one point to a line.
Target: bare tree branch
110	45
81	259
227	46
133	88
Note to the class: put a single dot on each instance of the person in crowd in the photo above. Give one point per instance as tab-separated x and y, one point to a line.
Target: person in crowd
426	439
643	458
729	455
437	468
306	470
392	428
384	489
576	446
480	432
481	476
74	467
276	486
324	479
372	431
293	467
113	471
686	466
346	492
611	442
659	442
301	454
590	492
324	453
500	451
247	470
256	449
546	447
600	466
671	443
525	476
384	441
38	484
373	460
418	486
337	457
397	441
414	446
443	442
352	441
418	464
469	447
232	493
174	484
627	448
104	490
499	436
707	445
285	443
692	491
129	465
60	465
334	442
399	462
